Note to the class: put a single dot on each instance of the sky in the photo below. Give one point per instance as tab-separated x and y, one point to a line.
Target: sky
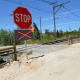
67	17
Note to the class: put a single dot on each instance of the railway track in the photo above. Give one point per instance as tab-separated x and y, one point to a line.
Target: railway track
19	49
58	41
55	41
22	49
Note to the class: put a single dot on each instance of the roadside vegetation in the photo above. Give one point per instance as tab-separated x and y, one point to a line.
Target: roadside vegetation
7	37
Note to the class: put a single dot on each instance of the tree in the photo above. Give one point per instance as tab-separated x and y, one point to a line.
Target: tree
79	29
66	33
61	33
52	33
36	34
57	33
47	32
8	37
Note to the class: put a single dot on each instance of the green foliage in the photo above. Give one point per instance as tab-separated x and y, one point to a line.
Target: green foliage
79	29
33	41
7	37
47	38
57	33
47	32
36	35
60	33
30	52
11	58
20	53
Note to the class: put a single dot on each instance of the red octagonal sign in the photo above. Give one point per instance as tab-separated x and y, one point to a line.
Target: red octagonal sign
22	17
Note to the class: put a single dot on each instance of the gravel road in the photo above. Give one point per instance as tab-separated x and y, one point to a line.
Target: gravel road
63	64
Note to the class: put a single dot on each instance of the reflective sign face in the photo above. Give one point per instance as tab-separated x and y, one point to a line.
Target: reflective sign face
22	17
23	35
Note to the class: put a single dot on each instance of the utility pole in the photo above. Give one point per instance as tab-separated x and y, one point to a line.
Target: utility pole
54	12
54	21
40	30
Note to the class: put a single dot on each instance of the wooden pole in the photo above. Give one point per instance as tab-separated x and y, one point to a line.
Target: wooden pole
40	30
71	40
15	55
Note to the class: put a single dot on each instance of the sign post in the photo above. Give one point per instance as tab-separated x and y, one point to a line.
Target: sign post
26	50
23	19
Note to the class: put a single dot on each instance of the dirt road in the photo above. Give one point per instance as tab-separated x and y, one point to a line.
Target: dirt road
63	64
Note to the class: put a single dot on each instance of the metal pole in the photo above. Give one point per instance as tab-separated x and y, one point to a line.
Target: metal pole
26	50
54	21
40	29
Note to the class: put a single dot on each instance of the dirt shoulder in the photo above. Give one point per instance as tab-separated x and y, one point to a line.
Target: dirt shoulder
63	64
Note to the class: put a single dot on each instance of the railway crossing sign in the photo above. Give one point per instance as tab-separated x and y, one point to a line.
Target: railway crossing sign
22	17
23	35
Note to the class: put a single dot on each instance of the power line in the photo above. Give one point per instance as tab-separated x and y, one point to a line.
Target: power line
45	1
71	12
68	12
34	7
48	2
41	9
22	4
68	17
28	6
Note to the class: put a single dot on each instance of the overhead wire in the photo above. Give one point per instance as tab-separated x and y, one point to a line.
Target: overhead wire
71	12
38	8
28	6
48	2
68	17
54	3
45	1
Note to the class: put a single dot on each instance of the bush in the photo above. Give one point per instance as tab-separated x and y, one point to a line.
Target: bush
47	38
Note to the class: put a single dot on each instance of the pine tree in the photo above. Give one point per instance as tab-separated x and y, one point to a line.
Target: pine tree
61	33
57	33
36	34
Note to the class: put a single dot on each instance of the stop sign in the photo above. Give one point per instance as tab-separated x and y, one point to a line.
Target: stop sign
22	17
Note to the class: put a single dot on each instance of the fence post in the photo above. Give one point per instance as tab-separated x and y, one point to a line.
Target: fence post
15	55
69	40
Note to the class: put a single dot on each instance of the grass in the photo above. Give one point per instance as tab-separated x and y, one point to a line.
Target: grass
30	52
46	39
64	37
20	53
12	57
33	41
